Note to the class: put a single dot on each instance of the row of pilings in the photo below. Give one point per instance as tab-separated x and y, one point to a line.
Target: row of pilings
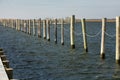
28	26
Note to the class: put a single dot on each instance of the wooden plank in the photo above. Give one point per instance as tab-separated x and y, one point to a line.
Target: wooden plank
3	74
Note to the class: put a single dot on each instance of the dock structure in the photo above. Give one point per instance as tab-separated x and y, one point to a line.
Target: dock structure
6	73
3	74
45	27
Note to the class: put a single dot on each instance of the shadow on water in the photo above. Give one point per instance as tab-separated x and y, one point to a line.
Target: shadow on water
37	59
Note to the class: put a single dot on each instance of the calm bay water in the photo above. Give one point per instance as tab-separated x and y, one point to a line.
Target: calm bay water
34	58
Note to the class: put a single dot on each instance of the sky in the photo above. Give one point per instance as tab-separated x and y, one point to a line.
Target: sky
91	9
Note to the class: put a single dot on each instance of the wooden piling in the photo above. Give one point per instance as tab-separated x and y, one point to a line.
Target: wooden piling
55	31
84	34
39	28
3	57
27	21
25	26
22	25
72	28
48	30
33	27
12	23
9	22
6	63
16	21
1	52
29	31
62	31
9	72
118	39
102	52
18	24
44	29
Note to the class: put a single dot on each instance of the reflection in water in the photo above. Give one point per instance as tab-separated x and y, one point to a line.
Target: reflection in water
117	72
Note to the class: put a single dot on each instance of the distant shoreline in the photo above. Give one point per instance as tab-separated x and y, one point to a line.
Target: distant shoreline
96	20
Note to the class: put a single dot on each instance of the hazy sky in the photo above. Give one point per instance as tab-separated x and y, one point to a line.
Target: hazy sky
59	8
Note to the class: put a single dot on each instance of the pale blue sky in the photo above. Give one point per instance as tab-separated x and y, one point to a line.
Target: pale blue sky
59	8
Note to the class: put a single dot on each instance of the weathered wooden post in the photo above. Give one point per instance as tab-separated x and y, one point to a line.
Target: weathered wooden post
55	31
34	27
118	39
9	72
16	21
44	29
18	24
39	28
22	25
12	24
48	30
72	28
103	38
26	29
25	26
23	22
29	27
0	21
3	22
6	63
62	31
84	34
7	22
